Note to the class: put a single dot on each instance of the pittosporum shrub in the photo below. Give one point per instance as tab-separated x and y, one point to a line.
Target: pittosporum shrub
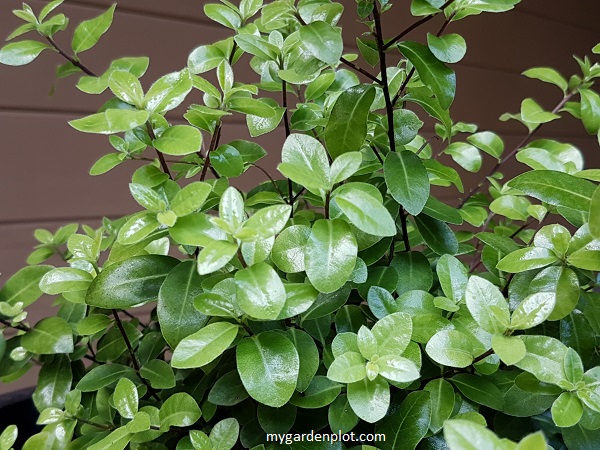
344	298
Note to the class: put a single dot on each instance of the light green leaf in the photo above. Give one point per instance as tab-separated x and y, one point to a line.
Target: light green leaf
526	259
323	41
381	302
204	346
487	305
488	142
126	86
111	121
23	286
365	212
590	110
88	33
257	46
544	359
567	410
265	223
288	250
179	140
450	348
227	161
393	333
224	434
49	336
190	198
347	368
179	410
344	166
450	48
397	368
159	374
439	78
407	180
205	58
260	291
251	106
548	75
370	400
8	437
304	160
126	398
104	375
463	434
168	92
215	255
453	277
346	129
21	53
465	155
441	399
330	254
510	349
131	282
175	308
268	365
224	15
532	311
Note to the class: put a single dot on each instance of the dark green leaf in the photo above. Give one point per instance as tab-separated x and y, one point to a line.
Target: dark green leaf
407	180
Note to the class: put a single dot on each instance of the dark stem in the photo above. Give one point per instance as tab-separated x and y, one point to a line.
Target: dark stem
376	151
384	82
131	316
241	257
360	70
134	360
268	175
403	224
18	326
514	151
161	157
302	191
452	372
327	199
95	424
415	25
213	145
286	124
69	58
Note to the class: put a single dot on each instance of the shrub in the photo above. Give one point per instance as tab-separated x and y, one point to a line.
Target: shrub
344	298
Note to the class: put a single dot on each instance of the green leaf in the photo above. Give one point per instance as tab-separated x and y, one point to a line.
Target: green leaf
205	58
346	129
116	440
299	298
168	92
439	78
590	110
258	126
544	359
257	46
179	140
437	235
594	222
407	180
204	346
347	368
397	368
344	167
405	428
138	228
548	75
465	155
556	188
251	106
532	311
441	399
48	8
104	375
8	437
260	291
450	48
308	354
126	398
224	434
288	250
179	410
21	53
340	415
224	15
23	286
110	121
304	160
49	336
129	283
215	255
381	302
321	392
88	33
158	373
487	305
370	400
190	198
323	41
227	161
453	277
463	434
406	126
175	308
567	410
392	333
488	142
450	348
268	365
510	349
330	254
125	86
265	223
526	259
479	390
365	212
105	164
54	383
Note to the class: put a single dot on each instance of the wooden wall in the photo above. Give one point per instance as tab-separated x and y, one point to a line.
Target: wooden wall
44	163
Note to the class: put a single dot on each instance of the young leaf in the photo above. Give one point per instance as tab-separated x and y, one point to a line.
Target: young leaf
168	92
126	398
304	160
88	33
110	121
215	255
21	53
487	305
204	346
567	410
370	400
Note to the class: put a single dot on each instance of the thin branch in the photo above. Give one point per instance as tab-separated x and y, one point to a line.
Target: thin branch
451	372
268	175
69	58
514	151
131	316
161	157
360	70
214	142
376	151
134	360
286	124
18	326
415	25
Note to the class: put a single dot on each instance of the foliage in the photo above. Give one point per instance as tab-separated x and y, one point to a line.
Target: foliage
343	298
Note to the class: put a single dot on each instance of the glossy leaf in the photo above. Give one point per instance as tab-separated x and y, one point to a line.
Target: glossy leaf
110	121
179	410
487	305
202	347
407	180
323	41
126	398
21	53
370	400
49	336
405	428
215	255
179	140
440	238
260	292
365	212
304	160
88	33
449	48
23	286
